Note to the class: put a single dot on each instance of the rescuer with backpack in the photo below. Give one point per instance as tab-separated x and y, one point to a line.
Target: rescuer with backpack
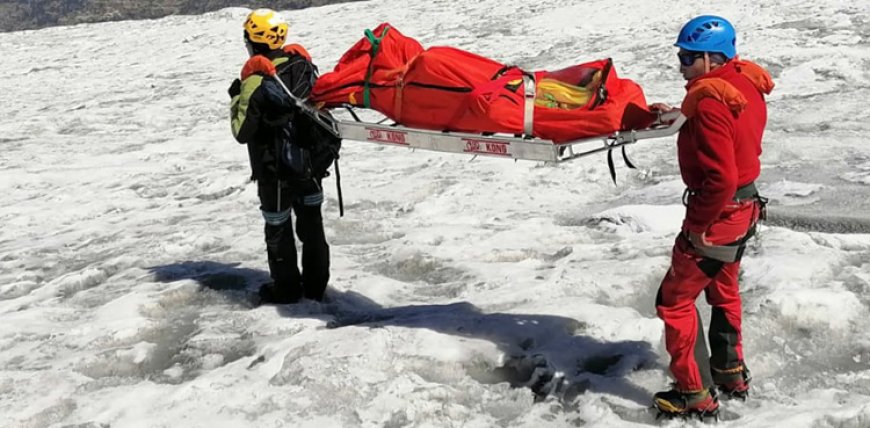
289	156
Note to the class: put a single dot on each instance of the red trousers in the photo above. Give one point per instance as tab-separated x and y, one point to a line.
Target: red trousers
688	276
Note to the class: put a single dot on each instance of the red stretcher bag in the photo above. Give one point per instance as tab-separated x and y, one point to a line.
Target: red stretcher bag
444	88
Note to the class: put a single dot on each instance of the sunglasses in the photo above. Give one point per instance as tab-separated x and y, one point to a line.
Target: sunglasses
688	58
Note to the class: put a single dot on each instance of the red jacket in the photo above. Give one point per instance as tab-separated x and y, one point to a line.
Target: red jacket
720	143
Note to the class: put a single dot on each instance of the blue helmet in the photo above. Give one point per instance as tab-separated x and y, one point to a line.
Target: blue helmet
708	33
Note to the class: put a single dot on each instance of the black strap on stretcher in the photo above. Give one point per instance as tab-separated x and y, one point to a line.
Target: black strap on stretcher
600	98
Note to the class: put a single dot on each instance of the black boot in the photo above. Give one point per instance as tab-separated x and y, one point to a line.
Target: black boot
686	403
269	293
734	383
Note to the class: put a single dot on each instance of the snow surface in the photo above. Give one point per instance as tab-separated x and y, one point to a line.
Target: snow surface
465	293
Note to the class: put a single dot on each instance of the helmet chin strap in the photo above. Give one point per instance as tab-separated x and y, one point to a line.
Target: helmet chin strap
706	62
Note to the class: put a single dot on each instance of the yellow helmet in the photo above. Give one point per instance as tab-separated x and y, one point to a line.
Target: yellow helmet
267	27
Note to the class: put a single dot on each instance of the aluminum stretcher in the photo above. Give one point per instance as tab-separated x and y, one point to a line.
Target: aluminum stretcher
518	147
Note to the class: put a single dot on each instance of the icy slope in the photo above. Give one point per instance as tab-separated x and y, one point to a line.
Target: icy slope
130	236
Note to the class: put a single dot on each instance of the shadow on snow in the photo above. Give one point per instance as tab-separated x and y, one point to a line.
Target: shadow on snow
546	353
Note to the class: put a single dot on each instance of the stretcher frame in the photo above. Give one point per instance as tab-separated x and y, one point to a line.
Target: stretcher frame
508	146
502	145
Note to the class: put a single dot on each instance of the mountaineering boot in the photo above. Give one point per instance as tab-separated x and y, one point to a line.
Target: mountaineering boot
734	383
270	293
314	293
676	403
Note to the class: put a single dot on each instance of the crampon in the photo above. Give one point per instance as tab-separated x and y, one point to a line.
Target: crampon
701	405
733	383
